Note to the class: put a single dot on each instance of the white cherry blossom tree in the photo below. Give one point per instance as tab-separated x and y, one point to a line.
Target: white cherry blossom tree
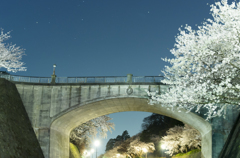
137	147
10	55
113	153
88	130
181	139
132	147
205	70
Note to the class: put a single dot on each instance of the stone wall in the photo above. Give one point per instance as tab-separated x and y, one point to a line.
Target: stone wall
17	138
51	105
46	102
231	148
221	130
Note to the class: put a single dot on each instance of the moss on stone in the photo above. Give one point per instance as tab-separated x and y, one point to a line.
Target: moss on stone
74	153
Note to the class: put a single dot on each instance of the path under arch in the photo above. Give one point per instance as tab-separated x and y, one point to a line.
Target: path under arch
62	126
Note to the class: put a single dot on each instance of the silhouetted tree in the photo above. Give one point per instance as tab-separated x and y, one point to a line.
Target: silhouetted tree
125	135
110	144
121	138
156	124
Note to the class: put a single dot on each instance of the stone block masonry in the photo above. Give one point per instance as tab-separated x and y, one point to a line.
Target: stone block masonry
55	109
231	148
17	137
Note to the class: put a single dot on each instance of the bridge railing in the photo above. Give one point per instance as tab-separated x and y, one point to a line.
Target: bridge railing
147	78
104	79
91	79
26	78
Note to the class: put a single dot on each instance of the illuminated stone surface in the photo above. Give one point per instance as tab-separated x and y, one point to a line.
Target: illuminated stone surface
55	110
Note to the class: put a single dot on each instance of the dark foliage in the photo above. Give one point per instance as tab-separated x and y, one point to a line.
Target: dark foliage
156	124
125	135
110	144
117	141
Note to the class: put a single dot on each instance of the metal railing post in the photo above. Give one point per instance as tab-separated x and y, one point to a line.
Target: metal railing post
129	78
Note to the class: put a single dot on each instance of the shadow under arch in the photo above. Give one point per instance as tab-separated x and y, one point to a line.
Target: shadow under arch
62	126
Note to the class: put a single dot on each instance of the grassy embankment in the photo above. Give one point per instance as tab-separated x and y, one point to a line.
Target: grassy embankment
194	151
74	153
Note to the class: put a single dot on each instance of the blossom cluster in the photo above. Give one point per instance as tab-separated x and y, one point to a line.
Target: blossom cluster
205	71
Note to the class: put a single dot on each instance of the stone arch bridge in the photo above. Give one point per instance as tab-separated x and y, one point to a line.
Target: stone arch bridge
57	105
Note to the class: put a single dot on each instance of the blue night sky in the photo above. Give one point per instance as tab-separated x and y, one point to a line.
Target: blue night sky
99	38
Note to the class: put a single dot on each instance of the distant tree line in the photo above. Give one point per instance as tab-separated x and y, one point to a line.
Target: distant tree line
117	141
156	131
126	146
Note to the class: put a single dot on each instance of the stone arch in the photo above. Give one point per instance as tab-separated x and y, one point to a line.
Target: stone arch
62	126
